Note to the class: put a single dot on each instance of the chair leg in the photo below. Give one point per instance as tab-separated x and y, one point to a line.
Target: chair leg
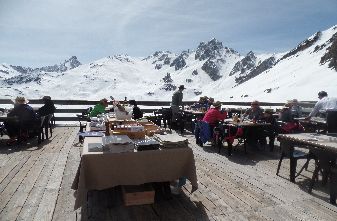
314	176
50	130
230	147
46	131
279	163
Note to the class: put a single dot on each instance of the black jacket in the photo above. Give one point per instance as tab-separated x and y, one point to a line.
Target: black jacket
137	113
24	112
47	108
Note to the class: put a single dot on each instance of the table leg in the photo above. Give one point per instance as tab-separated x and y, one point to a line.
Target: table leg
333	186
230	147
293	164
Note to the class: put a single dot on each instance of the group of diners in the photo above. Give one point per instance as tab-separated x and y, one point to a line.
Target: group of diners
23	117
129	108
285	121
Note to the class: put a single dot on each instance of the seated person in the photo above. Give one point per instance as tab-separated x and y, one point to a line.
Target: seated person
255	112
99	108
204	128
214	115
48	107
25	115
288	123
296	110
136	112
254	134
285	114
200	104
122	113
271	131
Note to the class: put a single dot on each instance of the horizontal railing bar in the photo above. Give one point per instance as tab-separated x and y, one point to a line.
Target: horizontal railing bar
82	110
155	103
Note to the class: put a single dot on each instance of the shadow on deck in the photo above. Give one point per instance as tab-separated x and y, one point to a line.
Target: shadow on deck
35	184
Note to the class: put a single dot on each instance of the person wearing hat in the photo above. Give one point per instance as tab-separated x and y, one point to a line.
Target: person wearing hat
99	108
255	112
214	115
325	103
48	107
285	114
177	101
24	113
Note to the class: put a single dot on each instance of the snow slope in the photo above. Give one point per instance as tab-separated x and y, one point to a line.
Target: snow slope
208	70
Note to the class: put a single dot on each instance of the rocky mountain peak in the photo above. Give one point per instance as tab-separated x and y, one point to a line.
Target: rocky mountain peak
71	63
210	50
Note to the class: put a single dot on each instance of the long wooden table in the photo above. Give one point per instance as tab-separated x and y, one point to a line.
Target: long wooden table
102	170
324	148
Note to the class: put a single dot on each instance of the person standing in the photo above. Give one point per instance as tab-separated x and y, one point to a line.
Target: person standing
177	101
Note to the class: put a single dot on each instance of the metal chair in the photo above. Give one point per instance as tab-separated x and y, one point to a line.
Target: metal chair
84	119
294	155
48	125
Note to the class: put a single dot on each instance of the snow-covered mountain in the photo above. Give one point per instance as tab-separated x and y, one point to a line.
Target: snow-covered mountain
211	69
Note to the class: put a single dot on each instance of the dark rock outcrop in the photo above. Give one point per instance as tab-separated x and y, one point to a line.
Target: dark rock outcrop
167	78
195	72
158	66
246	64
212	69
179	62
303	45
265	65
331	53
23	79
168	87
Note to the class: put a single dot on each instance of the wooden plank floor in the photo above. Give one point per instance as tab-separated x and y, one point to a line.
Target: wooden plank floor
35	185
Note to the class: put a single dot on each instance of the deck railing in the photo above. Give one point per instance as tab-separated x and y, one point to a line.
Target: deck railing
62	106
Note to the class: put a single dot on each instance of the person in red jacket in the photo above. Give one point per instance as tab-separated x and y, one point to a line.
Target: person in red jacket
214	115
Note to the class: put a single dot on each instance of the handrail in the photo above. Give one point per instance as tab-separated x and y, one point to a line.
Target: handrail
76	110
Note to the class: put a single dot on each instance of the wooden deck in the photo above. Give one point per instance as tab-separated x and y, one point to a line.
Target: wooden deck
35	185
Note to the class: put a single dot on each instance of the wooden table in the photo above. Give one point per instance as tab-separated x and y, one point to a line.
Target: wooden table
314	124
103	170
246	126
324	148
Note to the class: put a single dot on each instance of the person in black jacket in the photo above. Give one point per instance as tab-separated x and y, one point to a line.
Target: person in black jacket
48	107
24	115
136	112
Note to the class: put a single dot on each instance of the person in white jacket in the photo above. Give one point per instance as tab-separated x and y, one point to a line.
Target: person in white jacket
325	103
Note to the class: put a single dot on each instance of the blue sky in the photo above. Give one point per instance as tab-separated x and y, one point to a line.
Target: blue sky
46	32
